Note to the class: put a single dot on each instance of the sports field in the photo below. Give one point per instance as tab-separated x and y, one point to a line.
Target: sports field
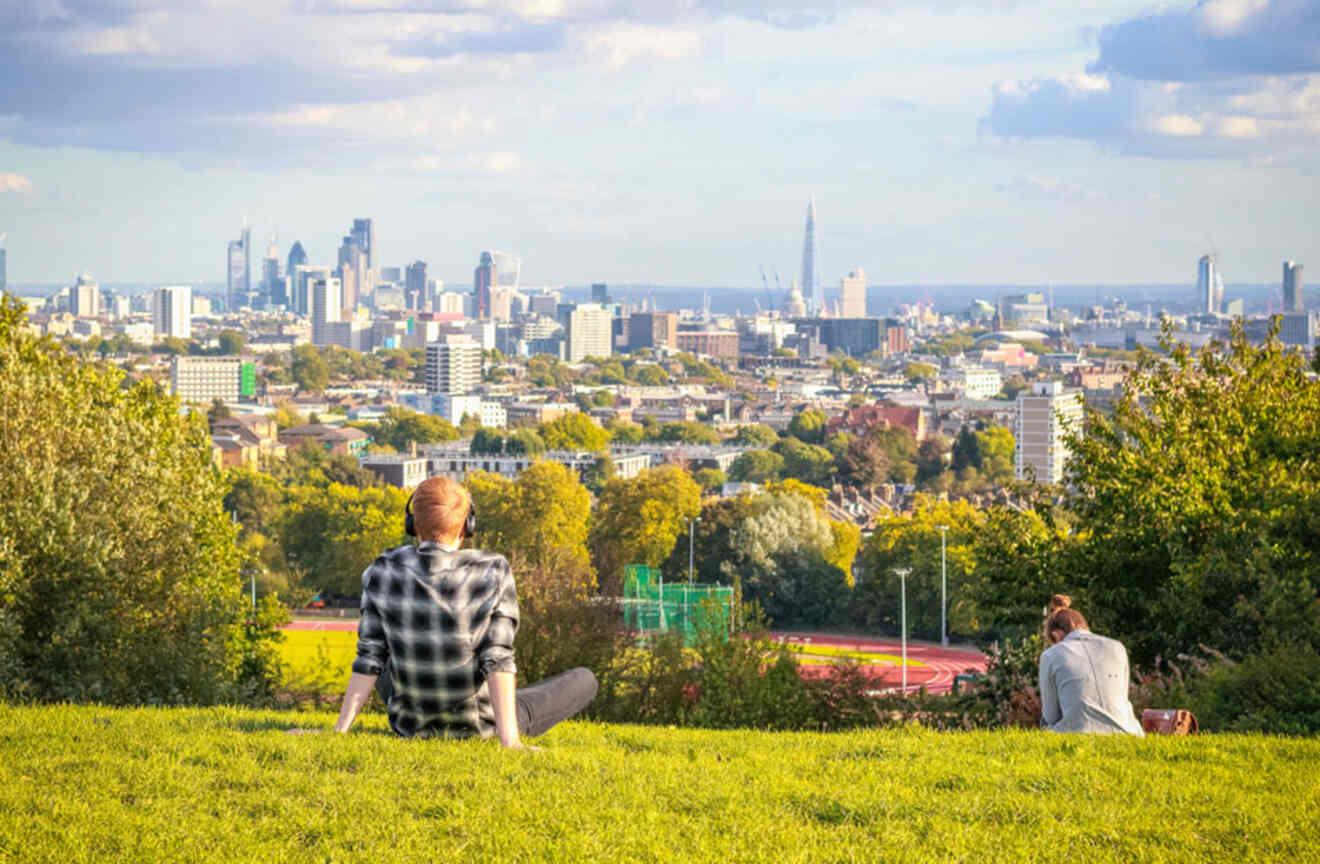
97	784
929	666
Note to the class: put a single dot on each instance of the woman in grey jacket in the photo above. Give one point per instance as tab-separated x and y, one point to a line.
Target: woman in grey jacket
1084	679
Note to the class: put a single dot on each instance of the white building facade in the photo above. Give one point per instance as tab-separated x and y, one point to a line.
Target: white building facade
1044	420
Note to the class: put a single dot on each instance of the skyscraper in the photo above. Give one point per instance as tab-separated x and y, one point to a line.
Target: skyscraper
417	294
271	292
483	279
364	234
171	312
1209	286
600	293
812	290
852	295
297	258
353	270
4	279
1293	301
239	265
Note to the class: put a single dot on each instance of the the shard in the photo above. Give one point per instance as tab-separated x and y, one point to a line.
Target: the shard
812	289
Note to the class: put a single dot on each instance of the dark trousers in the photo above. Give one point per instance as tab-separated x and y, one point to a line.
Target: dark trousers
539	706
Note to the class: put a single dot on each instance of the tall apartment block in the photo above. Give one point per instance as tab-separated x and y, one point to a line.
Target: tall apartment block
201	380
589	332
852	295
1044	419
171	312
453	365
326	297
85	298
1293	301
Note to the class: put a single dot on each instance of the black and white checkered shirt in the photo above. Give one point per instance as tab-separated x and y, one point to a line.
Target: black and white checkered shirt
444	621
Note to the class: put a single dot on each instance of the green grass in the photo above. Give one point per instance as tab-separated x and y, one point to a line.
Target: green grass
303	651
97	784
300	652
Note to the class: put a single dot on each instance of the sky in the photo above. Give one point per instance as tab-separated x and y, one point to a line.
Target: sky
665	142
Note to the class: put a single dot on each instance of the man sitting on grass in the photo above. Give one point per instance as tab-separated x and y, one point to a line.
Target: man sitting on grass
436	636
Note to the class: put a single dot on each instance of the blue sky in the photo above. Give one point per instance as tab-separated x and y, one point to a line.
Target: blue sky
671	142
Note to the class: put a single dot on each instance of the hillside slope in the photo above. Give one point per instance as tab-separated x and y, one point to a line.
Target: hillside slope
88	783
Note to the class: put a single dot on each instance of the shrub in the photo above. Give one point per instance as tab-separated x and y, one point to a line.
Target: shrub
118	569
1275	691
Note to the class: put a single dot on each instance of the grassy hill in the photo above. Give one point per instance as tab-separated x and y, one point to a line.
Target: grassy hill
89	783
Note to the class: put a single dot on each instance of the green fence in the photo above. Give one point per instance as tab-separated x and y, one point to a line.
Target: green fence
651	606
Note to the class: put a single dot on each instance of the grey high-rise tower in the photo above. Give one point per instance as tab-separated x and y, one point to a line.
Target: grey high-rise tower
1292	286
364	234
4	279
1209	286
811	287
239	264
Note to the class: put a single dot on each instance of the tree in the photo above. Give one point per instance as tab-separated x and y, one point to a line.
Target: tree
1197	501
309	369
468	425
231	342
575	431
806	462
1013	385
756	466
782	540
710	479
966	450
487	441
526	442
687	432
808	426
600	472
638	520
542	515
756	435
912	541
919	371
649	375
218	411
626	433
332	534
932	458
119	576
401	427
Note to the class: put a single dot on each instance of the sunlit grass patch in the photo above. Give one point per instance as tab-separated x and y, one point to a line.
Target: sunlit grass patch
96	784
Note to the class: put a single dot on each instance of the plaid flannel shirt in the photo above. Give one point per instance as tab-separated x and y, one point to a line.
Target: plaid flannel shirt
444	622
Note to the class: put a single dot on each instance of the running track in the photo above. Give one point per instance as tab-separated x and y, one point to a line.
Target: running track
941	664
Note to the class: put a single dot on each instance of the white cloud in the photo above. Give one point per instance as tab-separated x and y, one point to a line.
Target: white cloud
11	182
496	164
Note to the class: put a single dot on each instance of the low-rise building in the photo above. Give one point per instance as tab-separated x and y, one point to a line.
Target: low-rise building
403	471
345	441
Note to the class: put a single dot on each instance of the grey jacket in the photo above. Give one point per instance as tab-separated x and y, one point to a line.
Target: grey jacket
1084	686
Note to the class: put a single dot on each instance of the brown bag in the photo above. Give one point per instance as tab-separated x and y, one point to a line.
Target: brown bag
1168	721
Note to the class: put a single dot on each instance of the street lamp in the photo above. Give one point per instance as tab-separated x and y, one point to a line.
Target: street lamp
944	585
691	523
902	595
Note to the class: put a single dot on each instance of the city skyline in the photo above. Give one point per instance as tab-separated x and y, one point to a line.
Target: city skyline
972	142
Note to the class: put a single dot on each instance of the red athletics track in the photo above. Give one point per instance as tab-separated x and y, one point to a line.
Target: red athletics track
941	664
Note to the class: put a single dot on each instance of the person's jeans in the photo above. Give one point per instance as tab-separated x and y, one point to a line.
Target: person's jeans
540	706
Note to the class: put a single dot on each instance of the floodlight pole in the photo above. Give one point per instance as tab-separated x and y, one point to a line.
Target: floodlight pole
944	585
902	595
691	539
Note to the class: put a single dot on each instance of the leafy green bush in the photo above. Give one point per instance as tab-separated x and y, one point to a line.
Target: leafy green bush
118	568
1276	691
